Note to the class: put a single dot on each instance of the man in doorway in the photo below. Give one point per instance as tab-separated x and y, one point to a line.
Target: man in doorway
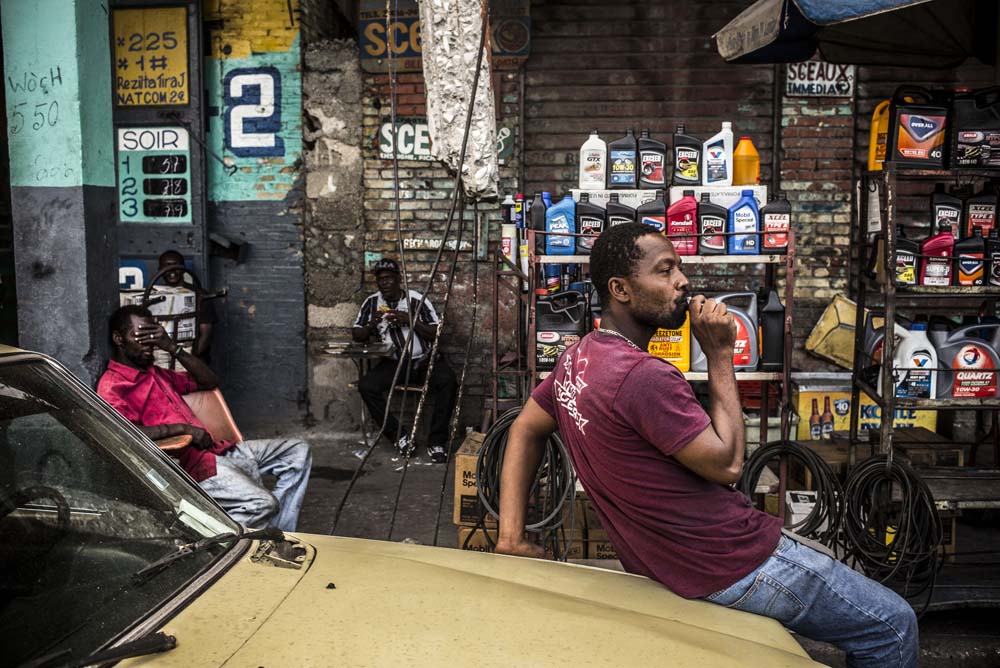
207	316
151	397
387	316
659	470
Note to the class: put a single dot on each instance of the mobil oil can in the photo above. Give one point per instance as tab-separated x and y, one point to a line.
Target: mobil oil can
917	128
746	348
975	129
560	319
969	364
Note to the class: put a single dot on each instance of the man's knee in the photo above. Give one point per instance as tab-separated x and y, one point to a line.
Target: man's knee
300	454
260	508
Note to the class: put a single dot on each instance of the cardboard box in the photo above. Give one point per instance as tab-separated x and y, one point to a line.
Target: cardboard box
839	396
833	336
598	544
468	508
176	301
798	505
722	195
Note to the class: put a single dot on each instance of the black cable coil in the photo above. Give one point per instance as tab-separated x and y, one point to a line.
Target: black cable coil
887	502
554	485
823	522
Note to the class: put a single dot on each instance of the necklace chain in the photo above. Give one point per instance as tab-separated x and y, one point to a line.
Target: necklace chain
620	336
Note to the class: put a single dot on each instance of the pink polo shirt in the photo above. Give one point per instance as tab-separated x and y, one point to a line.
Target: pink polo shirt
153	396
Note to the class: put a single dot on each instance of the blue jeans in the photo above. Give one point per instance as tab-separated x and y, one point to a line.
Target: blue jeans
238	488
823	599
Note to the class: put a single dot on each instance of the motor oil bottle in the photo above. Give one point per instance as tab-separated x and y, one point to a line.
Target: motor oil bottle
938	330
653	212
518	211
744	217
971	363
717	156
746	163
746	349
682	221
917	128
772	333
547	198
970	260
687	159
993	257
712	220
878	136
593	163
553	276
508	242
507	216
981	211
590	219
915	364
946	212
673	345
907	251
936	265
618	213
622	154
560	322
874	338
975	129
776	221
652	162
560	219
537	214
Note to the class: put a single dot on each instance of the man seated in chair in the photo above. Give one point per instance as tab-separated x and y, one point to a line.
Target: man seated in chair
386	316
151	397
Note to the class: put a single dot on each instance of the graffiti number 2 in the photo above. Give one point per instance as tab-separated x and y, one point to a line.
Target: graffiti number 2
253	112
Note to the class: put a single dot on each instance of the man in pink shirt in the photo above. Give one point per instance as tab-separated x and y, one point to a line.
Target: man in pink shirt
152	398
659	469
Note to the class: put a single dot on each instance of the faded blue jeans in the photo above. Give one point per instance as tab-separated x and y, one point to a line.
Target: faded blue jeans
238	488
821	598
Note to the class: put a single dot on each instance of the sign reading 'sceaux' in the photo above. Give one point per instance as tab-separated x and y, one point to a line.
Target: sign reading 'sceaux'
412	140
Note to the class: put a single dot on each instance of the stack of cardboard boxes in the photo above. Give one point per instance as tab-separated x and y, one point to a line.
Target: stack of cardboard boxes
174	308
585	539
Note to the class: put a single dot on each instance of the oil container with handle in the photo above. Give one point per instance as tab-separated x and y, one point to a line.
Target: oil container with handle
746	348
560	321
969	363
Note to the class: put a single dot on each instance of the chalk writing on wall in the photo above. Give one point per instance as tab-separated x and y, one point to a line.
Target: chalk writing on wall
151	57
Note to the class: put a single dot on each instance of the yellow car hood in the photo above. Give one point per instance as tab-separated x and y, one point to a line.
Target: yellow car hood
371	603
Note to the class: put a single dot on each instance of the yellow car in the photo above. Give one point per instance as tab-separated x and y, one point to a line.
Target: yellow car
110	553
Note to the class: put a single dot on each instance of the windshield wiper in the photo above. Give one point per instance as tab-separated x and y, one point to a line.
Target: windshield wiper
141	646
270	533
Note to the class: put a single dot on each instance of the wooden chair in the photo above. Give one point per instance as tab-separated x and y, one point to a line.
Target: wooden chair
211	409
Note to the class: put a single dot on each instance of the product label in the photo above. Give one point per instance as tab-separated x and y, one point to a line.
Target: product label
518	213
710	225
715	163
915	380
659	222
970	269
651	164
995	269
937	271
815	431
906	268
948	218
550	345
677	230
742	354
776	230
744	220
589	225
686	164
559	223
672	345
975	376
619	220
622	168
921	137
982	215
592	175
977	148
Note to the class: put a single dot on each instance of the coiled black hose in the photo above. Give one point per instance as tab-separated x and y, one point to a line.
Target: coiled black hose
887	502
553	487
823	522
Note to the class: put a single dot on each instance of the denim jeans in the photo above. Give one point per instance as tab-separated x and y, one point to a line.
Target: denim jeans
823	599
238	488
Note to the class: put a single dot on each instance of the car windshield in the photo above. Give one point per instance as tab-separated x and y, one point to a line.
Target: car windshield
84	505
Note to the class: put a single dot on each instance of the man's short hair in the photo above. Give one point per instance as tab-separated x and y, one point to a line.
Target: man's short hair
615	254
174	255
122	318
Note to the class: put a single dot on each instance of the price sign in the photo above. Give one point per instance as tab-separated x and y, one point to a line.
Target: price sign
153	177
151	57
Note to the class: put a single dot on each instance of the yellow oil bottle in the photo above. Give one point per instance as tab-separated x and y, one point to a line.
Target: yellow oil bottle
673	345
878	138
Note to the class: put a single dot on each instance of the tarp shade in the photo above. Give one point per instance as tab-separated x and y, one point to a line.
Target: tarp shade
930	34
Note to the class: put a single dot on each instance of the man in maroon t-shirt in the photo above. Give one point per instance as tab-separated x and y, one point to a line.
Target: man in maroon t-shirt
659	470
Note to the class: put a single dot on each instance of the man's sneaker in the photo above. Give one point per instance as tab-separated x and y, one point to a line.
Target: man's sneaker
438	453
404	446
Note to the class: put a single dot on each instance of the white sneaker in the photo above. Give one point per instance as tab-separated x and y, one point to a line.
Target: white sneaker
404	446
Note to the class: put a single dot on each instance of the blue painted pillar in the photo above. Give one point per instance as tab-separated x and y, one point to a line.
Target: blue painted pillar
57	73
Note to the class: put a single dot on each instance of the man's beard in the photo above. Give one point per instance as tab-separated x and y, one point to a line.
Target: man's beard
139	359
658	320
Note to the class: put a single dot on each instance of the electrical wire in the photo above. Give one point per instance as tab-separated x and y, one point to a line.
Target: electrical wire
892	526
553	486
824	521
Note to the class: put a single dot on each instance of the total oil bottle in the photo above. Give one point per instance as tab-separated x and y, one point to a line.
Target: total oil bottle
971	363
652	162
687	159
711	226
590	219
618	213
746	348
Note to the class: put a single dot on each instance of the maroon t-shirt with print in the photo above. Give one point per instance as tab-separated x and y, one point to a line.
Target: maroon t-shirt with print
622	414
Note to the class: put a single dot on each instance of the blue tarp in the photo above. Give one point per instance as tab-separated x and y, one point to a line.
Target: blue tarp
829	12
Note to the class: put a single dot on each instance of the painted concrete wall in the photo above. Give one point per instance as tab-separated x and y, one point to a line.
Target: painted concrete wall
253	79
